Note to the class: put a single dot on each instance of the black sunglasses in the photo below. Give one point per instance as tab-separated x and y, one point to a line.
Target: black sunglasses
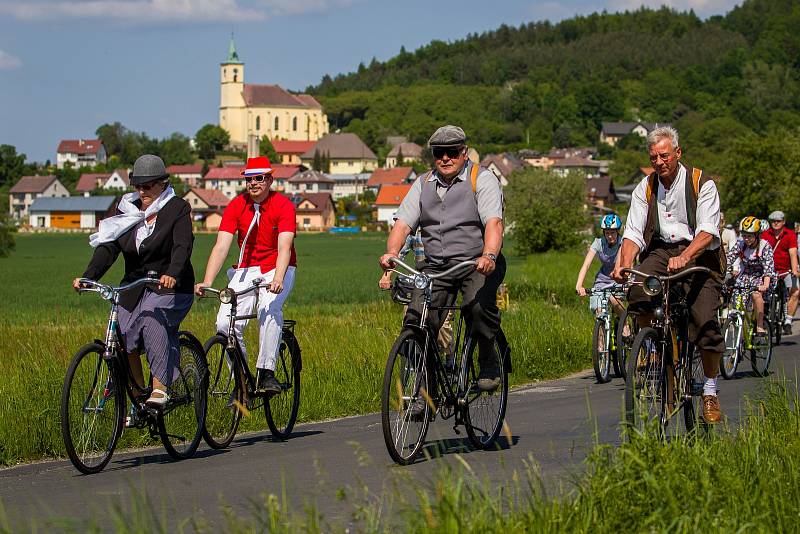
146	186
258	178
451	151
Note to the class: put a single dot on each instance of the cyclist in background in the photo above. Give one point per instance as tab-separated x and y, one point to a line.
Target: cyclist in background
755	263
784	250
605	249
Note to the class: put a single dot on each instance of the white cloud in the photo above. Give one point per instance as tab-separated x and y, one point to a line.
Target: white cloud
294	7
133	10
9	61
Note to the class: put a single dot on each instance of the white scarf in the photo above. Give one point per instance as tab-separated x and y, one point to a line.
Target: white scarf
111	228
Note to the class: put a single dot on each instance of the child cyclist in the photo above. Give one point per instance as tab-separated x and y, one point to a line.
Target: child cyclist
605	249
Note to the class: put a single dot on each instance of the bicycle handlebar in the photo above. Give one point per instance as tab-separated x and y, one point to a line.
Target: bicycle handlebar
97	287
448	272
669	278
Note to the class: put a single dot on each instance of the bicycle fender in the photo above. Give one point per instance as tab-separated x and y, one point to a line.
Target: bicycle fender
192	339
291	342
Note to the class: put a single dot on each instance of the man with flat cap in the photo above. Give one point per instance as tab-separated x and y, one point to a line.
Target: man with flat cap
458	207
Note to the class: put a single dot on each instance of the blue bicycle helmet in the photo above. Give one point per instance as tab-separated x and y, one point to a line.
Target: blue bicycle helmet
611	222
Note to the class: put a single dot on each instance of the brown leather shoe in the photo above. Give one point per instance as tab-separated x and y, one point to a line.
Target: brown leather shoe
711	410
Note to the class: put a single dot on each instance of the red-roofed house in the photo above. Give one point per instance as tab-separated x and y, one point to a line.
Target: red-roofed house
80	153
502	165
282	173
393	176
29	188
207	206
290	151
229	180
314	211
389	199
247	110
188	174
88	182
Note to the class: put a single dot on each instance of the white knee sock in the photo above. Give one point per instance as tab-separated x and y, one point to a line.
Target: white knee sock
710	386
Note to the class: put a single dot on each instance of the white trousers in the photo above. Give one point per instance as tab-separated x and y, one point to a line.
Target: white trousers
269	312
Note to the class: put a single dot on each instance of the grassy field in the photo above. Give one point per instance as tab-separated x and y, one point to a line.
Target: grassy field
345	328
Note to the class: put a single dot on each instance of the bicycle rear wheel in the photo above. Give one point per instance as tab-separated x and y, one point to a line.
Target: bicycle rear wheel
775	313
281	409
626	333
404	382
485	410
645	387
181	421
761	351
601	352
733	348
224	394
92	407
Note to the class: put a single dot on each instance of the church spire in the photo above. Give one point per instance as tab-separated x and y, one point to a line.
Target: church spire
233	57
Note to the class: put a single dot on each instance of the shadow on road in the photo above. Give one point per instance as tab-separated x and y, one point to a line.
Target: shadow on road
252	440
444	447
162	458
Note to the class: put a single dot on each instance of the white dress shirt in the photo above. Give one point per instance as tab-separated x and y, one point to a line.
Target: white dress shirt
672	217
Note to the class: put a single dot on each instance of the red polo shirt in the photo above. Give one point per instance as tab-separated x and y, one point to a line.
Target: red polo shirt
780	248
277	215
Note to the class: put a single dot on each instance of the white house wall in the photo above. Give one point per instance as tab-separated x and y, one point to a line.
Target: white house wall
87	219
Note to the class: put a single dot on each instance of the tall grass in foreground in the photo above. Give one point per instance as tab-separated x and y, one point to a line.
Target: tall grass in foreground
744	480
345	329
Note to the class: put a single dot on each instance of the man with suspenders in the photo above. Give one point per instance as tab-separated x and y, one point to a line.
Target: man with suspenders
673	223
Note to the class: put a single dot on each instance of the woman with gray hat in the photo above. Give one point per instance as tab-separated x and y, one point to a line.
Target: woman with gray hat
153	231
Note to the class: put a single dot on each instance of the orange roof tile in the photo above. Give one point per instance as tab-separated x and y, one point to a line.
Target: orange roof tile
392	195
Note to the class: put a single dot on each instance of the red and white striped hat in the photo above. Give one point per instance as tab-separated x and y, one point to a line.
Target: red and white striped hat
256	166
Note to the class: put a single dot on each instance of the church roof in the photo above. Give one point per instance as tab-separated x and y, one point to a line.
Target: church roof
275	95
233	57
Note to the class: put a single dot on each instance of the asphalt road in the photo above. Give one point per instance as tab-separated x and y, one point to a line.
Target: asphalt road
340	464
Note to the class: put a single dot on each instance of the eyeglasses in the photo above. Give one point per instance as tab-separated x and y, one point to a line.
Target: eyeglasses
776	221
452	151
258	178
146	187
663	157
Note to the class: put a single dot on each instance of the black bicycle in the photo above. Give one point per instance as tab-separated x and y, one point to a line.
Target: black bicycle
231	385
665	371
93	402
776	314
416	372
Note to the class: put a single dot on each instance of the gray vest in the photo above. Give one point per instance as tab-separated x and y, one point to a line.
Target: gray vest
451	226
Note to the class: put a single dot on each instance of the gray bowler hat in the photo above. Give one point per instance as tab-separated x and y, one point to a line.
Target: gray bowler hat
448	136
776	216
148	168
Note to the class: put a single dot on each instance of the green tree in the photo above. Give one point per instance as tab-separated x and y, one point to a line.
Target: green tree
7	230
400	160
209	139
266	148
175	150
316	163
12	165
112	135
546	210
326	162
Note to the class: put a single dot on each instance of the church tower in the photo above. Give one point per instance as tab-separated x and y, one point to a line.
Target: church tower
231	102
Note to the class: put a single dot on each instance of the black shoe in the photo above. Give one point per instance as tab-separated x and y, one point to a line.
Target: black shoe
266	384
489	379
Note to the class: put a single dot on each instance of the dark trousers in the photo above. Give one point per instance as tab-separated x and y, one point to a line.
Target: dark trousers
478	305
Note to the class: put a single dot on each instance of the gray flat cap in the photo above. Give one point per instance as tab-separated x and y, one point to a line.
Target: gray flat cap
448	136
148	168
776	216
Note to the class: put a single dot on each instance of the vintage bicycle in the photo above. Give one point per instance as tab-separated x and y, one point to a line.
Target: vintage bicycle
98	380
416	370
605	349
776	313
740	334
232	386
665	376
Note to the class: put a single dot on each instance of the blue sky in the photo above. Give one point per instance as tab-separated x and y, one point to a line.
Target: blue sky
67	66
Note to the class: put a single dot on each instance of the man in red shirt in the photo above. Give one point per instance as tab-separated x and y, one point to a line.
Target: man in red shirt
264	223
784	250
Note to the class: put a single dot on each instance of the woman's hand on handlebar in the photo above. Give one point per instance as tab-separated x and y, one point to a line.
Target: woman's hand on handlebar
581	291
199	287
166	282
77	284
276	286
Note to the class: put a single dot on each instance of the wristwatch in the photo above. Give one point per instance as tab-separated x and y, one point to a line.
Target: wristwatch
491	256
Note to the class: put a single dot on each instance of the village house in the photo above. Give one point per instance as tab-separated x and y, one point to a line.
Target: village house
612	132
80	153
28	188
502	165
600	192
347	153
310	181
227	179
254	110
76	213
290	151
591	168
348	185
410	153
191	175
393	176
281	174
314	211
207	206
388	201
88	182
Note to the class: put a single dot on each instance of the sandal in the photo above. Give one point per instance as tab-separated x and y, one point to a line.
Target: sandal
157	402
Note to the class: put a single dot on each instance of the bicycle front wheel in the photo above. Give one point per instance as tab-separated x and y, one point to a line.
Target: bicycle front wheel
601	353
92	407
224	394
281	409
405	384
180	423
645	388
626	332
486	410
730	358
774	315
761	351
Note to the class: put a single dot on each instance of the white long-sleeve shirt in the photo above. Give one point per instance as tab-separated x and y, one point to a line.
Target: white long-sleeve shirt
672	217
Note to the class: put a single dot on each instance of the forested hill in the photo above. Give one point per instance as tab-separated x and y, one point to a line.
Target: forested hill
542	84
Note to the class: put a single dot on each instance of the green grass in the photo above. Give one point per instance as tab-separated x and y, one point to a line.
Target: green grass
345	328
